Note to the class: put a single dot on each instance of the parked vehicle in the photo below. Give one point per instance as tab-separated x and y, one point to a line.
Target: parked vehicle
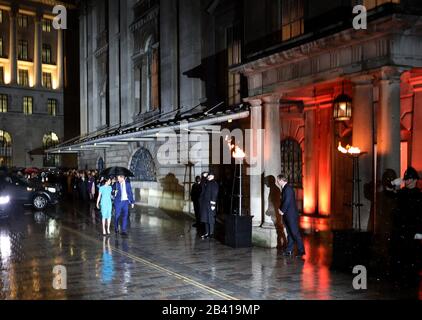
21	191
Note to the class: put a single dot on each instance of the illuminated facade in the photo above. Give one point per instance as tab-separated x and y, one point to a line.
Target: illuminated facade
31	81
144	63
294	83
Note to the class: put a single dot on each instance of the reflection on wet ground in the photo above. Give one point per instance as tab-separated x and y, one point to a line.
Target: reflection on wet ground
161	259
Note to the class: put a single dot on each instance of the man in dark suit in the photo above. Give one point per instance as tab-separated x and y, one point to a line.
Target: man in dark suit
123	198
290	215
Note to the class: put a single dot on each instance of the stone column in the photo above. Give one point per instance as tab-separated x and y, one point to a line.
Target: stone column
363	137
38	51
13	46
272	157
59	59
388	122
256	155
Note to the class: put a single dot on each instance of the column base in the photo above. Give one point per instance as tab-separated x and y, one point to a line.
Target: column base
266	237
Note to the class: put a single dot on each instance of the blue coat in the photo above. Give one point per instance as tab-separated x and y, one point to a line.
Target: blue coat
118	193
288	202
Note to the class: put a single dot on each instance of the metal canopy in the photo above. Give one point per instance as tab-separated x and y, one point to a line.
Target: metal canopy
148	133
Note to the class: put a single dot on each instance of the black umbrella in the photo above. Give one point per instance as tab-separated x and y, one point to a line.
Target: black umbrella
117	171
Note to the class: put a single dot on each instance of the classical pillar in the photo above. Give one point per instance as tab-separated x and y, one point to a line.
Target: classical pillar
256	169
388	122
272	158
38	51
310	165
13	46
363	137
59	59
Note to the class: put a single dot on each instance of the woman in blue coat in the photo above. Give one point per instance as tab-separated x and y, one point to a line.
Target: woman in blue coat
104	197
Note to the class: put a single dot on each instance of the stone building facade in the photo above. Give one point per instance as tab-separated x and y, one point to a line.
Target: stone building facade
31	84
287	61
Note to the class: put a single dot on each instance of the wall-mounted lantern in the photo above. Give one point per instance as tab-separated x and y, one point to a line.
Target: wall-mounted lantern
342	107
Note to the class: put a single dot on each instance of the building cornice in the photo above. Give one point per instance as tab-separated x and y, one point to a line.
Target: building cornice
382	27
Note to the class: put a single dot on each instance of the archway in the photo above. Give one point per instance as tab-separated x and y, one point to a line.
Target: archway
291	167
5	148
143	166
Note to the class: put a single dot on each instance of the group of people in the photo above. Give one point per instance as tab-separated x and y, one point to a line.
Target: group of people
204	195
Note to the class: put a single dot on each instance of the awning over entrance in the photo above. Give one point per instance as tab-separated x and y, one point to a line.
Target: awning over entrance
148	130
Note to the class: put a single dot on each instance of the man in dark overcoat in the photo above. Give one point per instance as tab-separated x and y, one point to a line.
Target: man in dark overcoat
208	206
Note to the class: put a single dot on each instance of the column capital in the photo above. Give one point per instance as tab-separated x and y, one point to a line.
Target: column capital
390	73
253	102
363	80
273	99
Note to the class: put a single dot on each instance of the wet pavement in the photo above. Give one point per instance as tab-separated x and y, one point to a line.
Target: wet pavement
162	258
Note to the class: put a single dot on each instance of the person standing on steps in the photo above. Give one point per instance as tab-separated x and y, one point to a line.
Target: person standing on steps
290	215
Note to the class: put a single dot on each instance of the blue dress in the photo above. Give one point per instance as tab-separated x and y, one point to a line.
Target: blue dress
105	201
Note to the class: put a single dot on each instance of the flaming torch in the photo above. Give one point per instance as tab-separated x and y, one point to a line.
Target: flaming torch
237	154
354	153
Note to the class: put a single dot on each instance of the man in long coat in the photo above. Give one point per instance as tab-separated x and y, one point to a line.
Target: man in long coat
208	205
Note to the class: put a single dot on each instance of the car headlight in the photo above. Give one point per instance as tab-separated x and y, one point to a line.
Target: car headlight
52	190
29	189
4	200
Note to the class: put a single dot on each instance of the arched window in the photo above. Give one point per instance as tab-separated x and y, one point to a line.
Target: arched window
291	162
143	166
50	140
5	148
149	76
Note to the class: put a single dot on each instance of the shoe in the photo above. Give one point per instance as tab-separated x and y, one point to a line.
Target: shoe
116	231
205	236
124	234
300	255
287	254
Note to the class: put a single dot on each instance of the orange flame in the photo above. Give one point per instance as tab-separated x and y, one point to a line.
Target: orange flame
349	149
237	153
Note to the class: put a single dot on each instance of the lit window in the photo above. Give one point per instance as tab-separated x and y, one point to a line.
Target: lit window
23	78
46	53
46	25
23	50
1	47
1	75
46	80
27	105
3	103
1	16
234	51
22	21
52	107
292	18
371	4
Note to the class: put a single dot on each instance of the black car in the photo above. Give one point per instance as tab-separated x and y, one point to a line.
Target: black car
21	191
